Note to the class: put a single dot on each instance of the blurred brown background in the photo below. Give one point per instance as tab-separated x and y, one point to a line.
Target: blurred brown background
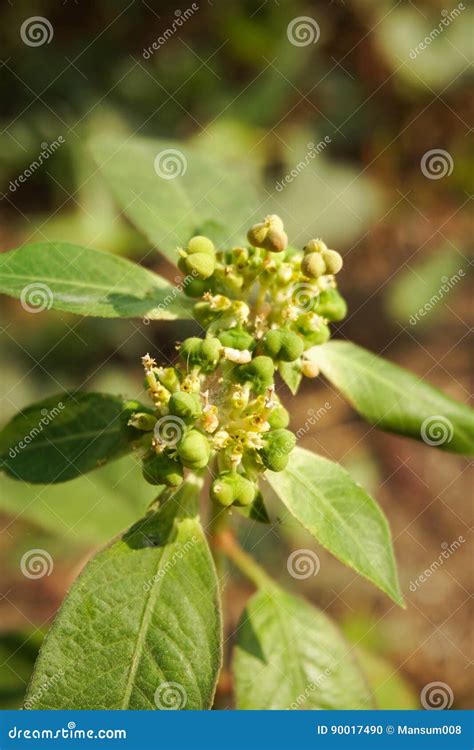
232	78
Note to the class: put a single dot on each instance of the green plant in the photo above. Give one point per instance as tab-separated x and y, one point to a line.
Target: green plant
141	627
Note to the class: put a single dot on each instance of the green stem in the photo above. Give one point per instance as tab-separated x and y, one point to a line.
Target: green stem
227	542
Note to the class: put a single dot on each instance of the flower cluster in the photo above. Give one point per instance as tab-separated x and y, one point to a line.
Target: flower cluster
262	306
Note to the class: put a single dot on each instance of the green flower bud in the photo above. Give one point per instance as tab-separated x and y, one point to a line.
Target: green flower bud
194	450
231	488
259	372
159	468
200	244
201	264
278	417
185	405
331	305
313	265
282	345
315	246
320	336
237	338
333	261
142	421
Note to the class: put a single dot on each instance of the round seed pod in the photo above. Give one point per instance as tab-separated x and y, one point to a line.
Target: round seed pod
210	354
271	343
275	241
313	265
280	440
331	305
185	405
194	450
161	469
256	234
200	244
237	338
333	261
222	491
273	460
278	417
202	264
292	346
318	337
190	351
315	246
229	488
259	372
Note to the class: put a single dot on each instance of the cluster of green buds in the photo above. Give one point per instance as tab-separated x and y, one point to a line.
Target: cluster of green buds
263	306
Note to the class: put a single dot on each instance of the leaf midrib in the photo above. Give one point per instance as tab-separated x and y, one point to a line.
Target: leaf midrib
67	282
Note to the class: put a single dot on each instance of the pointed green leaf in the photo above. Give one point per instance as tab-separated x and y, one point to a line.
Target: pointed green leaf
395	400
171	191
291	374
61	276
289	655
67	435
324	498
141	626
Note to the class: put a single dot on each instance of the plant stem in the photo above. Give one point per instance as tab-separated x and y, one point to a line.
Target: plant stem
228	544
217	526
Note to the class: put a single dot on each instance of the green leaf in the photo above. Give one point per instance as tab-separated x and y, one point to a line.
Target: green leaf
67	435
289	655
395	400
324	498
171	191
96	507
291	374
141	626
79	280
